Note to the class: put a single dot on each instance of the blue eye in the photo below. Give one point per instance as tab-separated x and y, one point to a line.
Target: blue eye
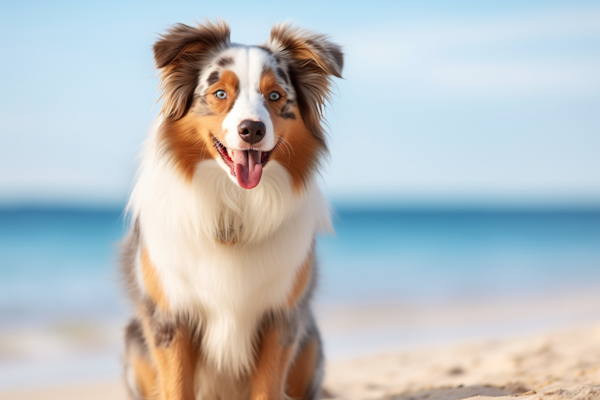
274	96
220	94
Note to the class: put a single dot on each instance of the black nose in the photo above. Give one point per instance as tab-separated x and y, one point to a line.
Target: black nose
252	131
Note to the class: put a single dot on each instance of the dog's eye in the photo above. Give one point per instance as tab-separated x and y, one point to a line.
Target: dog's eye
220	94
274	96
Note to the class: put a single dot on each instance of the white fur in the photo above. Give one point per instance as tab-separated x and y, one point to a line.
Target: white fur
227	287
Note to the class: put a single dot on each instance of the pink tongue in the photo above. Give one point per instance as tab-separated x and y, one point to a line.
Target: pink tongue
248	168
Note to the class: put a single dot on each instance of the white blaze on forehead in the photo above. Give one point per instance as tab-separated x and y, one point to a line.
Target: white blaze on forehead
249	64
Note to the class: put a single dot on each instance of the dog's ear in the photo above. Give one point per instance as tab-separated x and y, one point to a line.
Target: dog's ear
312	59
180	54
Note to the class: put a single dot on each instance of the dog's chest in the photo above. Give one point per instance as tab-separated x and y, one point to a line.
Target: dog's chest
209	276
228	289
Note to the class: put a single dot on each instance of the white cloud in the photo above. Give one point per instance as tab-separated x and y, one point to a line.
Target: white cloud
515	78
537	54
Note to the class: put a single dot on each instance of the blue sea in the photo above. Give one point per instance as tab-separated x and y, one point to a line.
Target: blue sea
62	306
60	263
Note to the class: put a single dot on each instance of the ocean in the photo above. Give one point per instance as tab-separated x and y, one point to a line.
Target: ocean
59	281
61	264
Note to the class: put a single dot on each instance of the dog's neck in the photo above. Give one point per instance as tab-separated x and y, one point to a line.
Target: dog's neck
211	206
233	215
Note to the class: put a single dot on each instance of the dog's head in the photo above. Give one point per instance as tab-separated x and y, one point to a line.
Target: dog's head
245	105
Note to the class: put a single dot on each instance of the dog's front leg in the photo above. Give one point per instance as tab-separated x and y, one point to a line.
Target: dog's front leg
274	358
174	354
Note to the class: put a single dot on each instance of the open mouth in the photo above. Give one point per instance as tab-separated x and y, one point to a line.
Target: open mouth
245	165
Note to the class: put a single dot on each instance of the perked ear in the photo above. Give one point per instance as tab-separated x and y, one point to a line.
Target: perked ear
312	59
180	54
310	50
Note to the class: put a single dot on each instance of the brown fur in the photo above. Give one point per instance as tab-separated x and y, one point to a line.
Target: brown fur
188	139
312	60
145	375
268	380
302	370
180	54
228	82
175	362
302	282
138	360
152	282
298	150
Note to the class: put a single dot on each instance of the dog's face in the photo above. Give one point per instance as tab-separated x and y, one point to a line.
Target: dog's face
245	105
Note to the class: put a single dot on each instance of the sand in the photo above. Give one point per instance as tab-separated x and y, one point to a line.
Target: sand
541	363
114	390
554	366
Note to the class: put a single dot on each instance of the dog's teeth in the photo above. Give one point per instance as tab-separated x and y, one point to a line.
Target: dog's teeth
230	153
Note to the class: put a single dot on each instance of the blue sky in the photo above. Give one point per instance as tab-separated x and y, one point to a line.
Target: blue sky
484	103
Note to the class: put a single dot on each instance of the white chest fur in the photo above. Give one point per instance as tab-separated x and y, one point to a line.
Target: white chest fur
227	287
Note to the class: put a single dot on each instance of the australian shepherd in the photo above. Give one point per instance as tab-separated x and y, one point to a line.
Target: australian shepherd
219	260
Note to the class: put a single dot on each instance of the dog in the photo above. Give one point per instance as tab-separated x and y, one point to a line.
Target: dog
219	260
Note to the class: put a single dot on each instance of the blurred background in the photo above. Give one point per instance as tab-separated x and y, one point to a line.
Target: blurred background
464	171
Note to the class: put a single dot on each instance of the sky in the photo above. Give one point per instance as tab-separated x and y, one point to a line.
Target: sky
442	103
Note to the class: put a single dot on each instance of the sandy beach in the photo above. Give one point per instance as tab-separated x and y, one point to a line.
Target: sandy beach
564	364
540	363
